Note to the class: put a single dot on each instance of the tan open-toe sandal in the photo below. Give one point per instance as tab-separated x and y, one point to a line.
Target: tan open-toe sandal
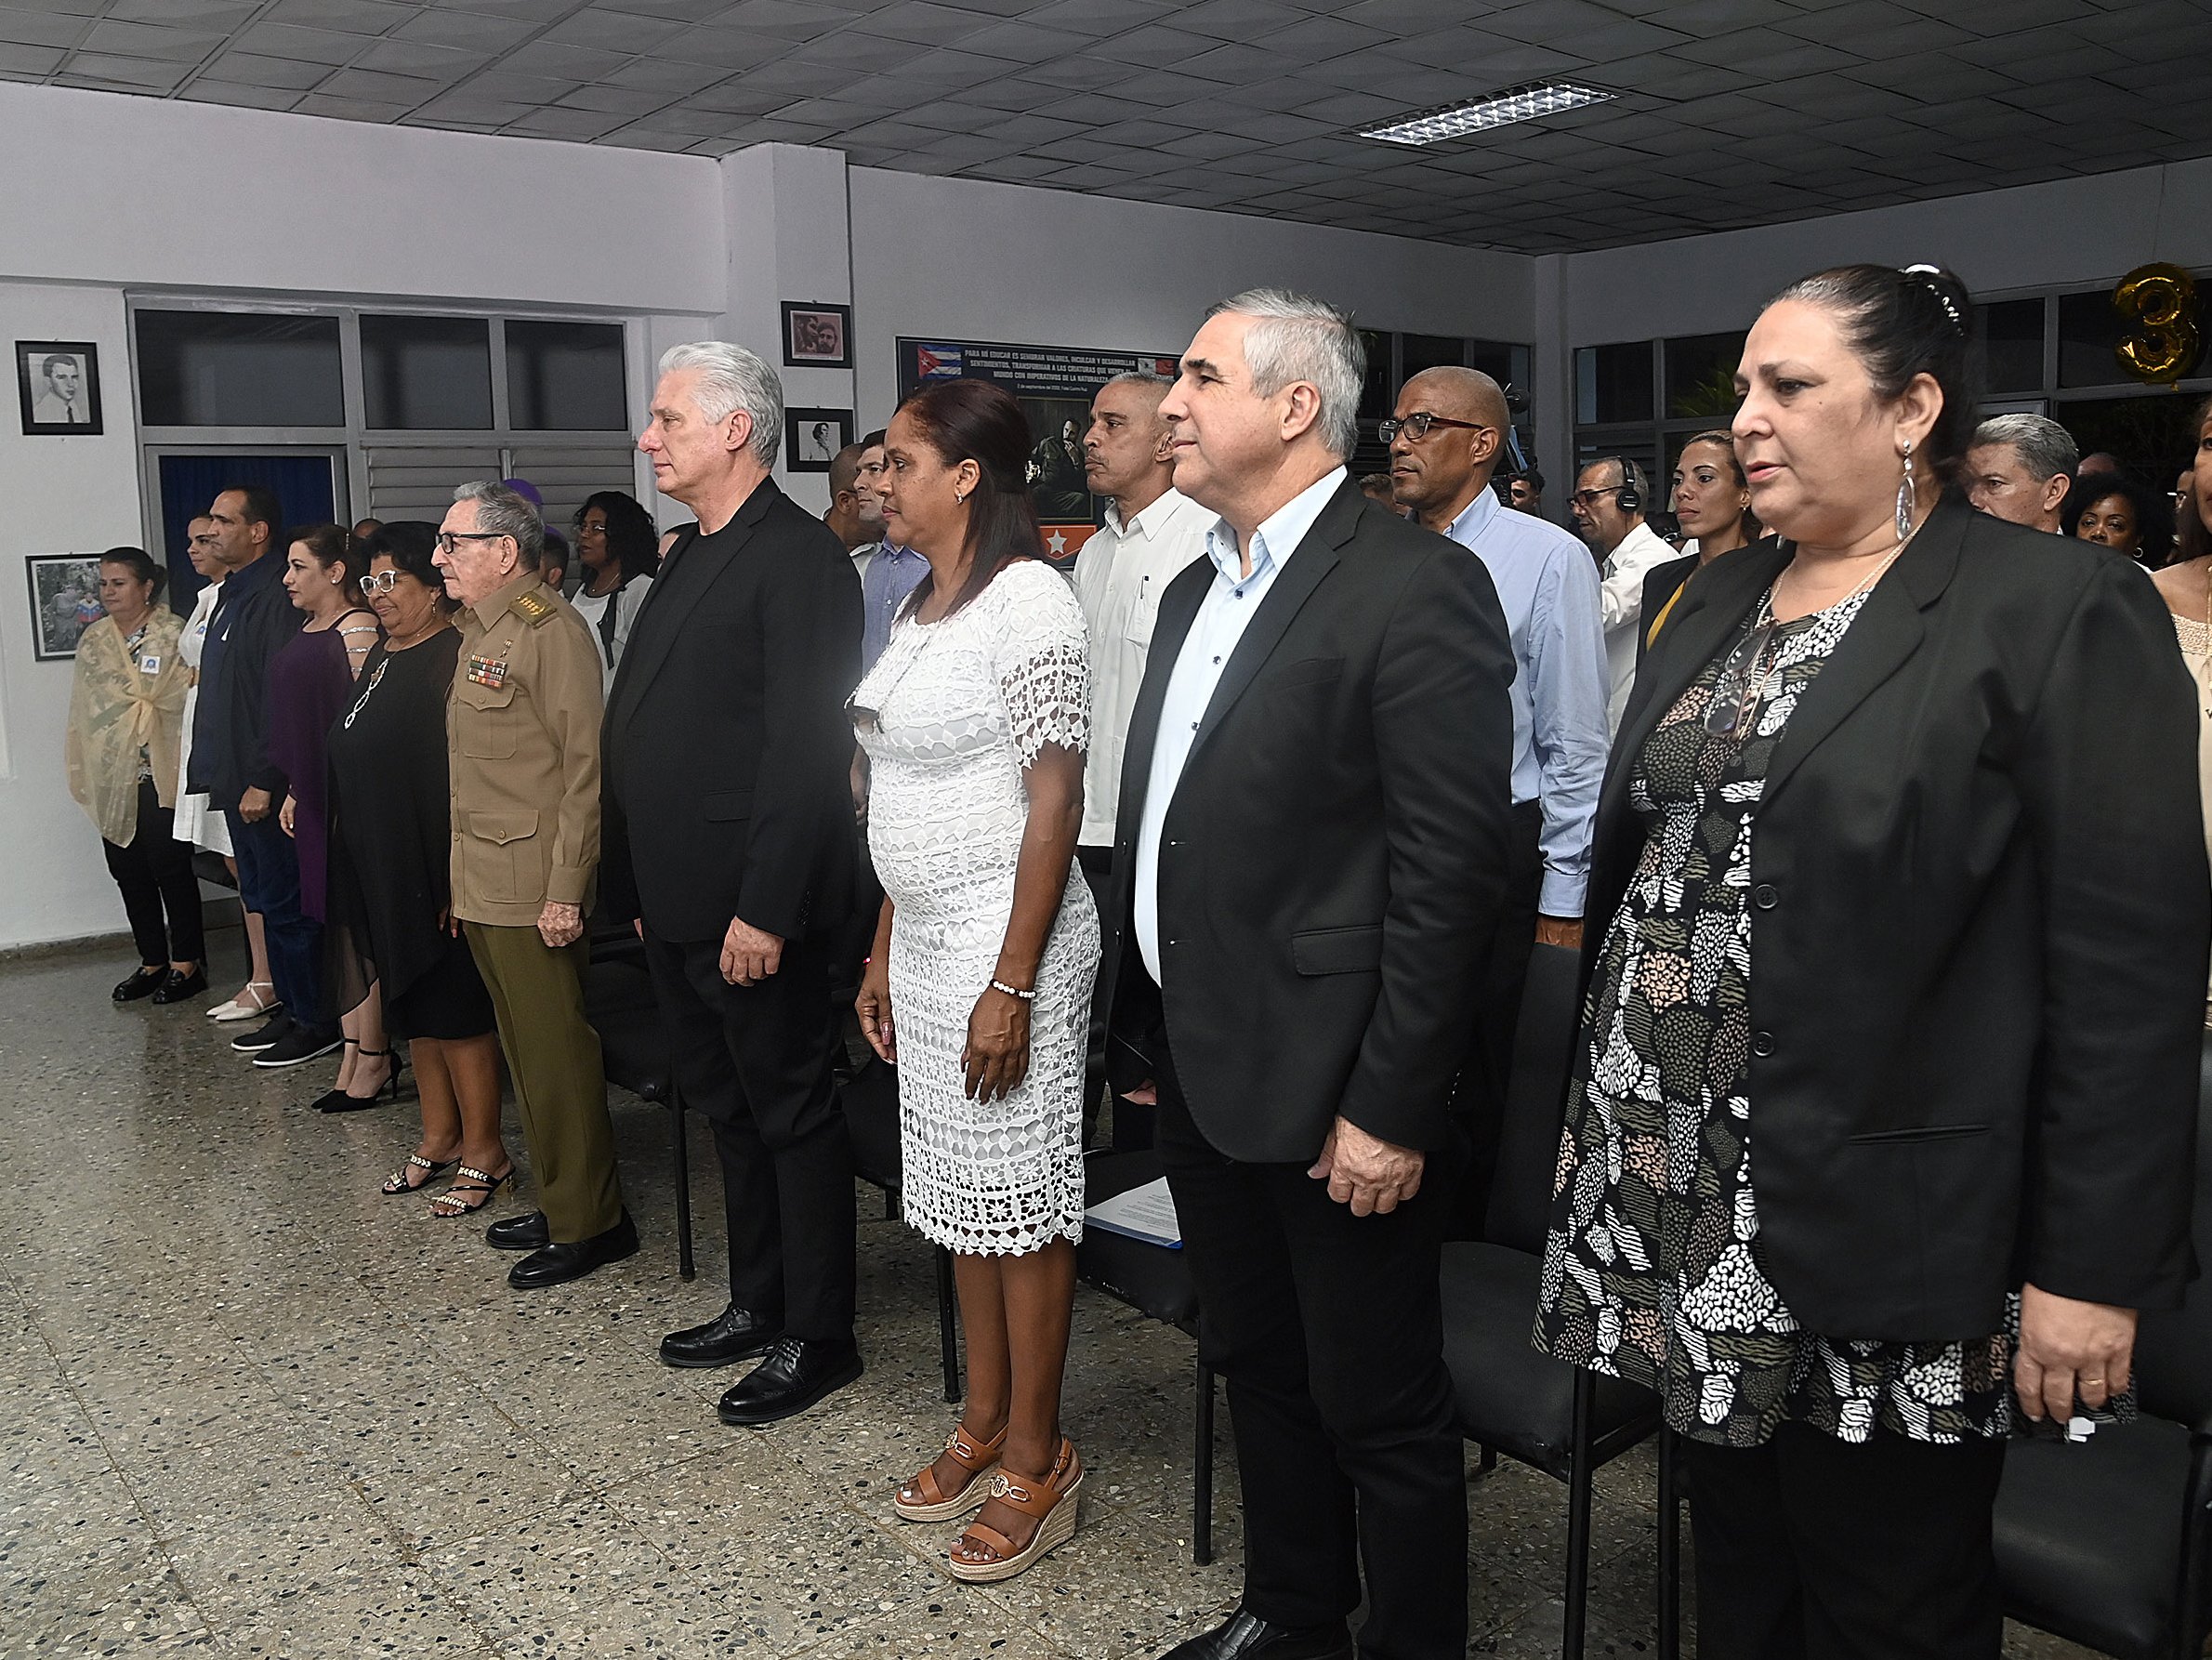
925	1499
983	1555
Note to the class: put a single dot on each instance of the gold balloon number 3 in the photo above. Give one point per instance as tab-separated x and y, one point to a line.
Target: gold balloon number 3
2157	304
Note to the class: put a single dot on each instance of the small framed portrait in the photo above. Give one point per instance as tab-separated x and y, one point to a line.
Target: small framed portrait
59	382
64	602
817	334
811	437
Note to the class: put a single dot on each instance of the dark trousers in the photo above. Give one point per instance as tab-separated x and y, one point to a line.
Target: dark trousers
1132	1123
1329	1330
1479	1098
1814	1548
757	1062
155	875
268	882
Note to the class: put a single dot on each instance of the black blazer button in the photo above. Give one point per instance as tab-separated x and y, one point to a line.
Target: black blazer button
1764	896
1762	1043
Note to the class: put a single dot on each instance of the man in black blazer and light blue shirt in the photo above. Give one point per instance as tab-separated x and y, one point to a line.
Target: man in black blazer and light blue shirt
1310	858
728	836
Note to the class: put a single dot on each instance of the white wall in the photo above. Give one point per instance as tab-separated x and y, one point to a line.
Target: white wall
2071	231
963	259
63	496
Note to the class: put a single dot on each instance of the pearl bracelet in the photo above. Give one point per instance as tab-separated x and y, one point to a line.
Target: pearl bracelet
1028	996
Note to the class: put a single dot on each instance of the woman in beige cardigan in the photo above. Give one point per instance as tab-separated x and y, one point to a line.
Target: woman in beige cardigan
125	718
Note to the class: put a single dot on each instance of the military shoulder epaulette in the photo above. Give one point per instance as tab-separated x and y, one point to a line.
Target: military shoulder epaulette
534	608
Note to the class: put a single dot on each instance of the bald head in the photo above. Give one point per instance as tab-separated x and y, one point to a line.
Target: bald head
1438	472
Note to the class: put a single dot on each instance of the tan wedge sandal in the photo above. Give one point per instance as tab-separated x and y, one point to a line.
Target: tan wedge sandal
983	1555
925	1499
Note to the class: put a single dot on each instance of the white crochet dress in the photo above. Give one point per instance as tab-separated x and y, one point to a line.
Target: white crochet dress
949	716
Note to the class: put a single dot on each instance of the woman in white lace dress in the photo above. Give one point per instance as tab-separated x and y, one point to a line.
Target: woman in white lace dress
975	719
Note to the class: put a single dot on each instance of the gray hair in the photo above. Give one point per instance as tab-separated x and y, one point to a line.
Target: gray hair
1295	338
731	378
504	513
2045	448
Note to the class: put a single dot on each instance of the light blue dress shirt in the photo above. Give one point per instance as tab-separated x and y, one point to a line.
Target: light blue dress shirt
1223	615
1548	585
892	575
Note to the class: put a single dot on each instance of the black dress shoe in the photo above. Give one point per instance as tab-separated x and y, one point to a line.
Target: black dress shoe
267	1036
733	1334
143	984
1248	1637
560	1264
797	1372
519	1232
180	988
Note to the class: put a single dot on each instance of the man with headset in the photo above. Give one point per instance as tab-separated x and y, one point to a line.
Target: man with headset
1608	503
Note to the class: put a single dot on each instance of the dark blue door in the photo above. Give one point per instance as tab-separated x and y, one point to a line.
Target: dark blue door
189	484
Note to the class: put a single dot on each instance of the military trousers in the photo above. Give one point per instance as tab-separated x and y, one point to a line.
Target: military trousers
553	1057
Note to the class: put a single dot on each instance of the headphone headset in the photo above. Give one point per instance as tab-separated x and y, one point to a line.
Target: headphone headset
1628	498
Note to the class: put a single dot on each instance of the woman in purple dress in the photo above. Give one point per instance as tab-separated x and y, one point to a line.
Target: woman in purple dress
307	683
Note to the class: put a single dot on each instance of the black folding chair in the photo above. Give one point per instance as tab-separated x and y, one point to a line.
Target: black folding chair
2107	1542
1153	1280
618	1001
870	1094
1510	1399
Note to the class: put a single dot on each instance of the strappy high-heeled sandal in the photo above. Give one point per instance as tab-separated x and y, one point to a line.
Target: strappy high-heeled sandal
337	1101
481	1184
983	1556
397	1183
925	1499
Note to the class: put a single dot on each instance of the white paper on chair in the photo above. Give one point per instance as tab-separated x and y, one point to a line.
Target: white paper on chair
1146	1212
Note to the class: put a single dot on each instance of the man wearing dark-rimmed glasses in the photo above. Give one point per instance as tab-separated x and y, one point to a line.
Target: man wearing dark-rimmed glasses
522	738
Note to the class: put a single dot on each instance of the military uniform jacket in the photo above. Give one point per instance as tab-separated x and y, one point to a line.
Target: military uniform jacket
523	740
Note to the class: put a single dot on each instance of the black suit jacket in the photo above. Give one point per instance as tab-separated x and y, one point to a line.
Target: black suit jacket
1333	861
1979	931
726	752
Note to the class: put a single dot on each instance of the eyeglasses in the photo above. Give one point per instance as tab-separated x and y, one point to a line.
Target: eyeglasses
1736	692
447	539
383	582
1416	426
583	528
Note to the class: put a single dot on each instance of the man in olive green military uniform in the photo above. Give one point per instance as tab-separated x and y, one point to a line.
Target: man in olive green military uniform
523	736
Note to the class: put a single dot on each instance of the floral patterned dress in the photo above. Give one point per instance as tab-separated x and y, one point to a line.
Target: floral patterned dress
1651	1264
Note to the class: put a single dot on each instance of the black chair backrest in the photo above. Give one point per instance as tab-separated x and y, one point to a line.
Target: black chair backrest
1528	1151
2172	1350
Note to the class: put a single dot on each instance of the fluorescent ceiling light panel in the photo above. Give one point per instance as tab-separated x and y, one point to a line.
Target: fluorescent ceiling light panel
1500	109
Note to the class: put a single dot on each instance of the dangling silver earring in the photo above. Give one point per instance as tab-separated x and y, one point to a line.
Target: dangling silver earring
1904	495
959	497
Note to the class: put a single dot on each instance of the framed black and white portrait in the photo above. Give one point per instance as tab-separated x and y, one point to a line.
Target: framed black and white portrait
59	383
813	437
64	602
818	335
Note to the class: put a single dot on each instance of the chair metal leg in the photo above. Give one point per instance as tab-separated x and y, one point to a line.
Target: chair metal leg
1579	1472
684	1265
948	1334
1201	1471
1670	1549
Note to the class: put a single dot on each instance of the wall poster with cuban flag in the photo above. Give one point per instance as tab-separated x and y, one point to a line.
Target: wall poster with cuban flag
1054	385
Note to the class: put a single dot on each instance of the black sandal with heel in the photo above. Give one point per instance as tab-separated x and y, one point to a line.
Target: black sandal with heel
480	1185
397	1183
337	1101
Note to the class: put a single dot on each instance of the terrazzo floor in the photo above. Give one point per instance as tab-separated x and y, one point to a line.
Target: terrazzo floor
250	1407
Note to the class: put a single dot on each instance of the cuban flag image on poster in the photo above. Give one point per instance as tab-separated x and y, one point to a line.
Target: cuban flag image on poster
937	362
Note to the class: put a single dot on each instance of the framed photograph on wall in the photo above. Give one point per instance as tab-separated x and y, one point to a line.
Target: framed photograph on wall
817	334
64	602
59	383
813	437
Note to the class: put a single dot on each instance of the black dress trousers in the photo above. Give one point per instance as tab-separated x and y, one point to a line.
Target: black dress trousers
1329	1331
1814	1548
757	1062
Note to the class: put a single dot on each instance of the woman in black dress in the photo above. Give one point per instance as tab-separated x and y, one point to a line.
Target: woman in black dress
390	825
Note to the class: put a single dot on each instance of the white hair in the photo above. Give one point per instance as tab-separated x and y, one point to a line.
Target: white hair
2045	448
731	378
504	512
1295	338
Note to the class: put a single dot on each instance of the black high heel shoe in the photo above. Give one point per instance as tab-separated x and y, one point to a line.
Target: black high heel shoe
324	1102
337	1101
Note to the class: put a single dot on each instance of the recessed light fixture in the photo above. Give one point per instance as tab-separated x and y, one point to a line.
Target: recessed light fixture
1500	109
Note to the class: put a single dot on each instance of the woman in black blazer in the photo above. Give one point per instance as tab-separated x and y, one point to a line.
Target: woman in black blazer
1883	1127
